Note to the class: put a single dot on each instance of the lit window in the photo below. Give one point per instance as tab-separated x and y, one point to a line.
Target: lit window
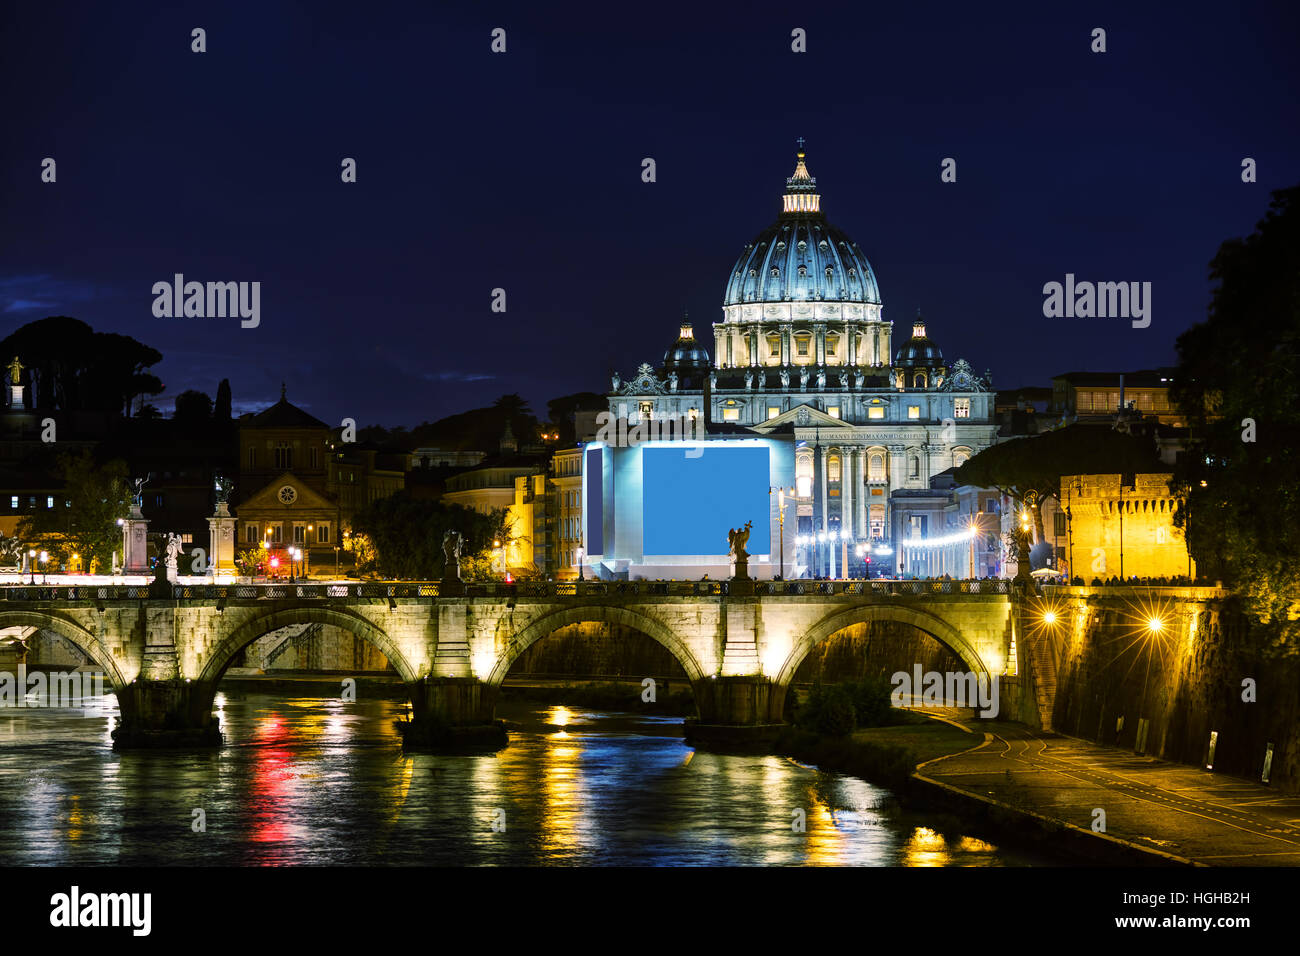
772	412
774	345
831	342
187	539
13	502
833	468
731	414
833	411
961	408
647	409
913	411
876	411
801	344
49	501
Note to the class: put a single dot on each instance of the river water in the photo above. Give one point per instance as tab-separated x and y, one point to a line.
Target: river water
306	781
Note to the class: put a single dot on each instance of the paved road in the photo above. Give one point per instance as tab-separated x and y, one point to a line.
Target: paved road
1201	817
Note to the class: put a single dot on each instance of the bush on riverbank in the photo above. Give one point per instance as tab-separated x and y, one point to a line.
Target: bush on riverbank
839	709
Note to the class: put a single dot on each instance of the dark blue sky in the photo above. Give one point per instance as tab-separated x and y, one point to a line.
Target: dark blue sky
522	171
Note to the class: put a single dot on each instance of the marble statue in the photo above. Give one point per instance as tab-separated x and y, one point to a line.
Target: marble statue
785	378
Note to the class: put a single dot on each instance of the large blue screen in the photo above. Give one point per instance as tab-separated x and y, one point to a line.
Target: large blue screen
691	503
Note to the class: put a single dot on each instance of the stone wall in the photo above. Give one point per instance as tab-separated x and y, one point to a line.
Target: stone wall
1187	681
878	649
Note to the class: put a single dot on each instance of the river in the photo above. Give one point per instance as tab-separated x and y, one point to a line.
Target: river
307	781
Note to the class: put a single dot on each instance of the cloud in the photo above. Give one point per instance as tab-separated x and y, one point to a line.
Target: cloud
29	293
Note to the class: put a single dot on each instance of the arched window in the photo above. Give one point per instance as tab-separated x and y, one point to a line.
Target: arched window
918	380
876	467
960	456
833	468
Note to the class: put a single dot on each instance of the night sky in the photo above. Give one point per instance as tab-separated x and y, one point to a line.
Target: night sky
523	171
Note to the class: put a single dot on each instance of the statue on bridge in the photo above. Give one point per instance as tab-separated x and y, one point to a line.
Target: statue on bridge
223	487
451	581
737	538
173	554
137	497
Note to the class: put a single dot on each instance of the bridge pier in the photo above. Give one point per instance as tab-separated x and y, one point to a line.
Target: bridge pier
735	710
166	713
452	713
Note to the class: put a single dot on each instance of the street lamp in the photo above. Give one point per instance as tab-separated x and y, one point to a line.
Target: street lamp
580	564
31	563
780	510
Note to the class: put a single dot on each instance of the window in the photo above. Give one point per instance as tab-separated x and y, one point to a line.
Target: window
49	501
918	380
876	467
252	458
13	502
315	457
833	411
960	456
275	534
773	345
731	414
801	344
772	412
914	466
299	534
250	533
876	411
187	539
831	343
283	456
961	408
833	468
913	411
647	409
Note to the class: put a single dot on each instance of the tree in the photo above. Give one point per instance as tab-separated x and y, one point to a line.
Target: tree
193	408
94	497
72	367
1031	468
1238	383
221	411
406	534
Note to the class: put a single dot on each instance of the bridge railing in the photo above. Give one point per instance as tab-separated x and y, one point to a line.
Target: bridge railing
282	591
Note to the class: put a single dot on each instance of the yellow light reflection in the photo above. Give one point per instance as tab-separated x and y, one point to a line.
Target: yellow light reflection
926	847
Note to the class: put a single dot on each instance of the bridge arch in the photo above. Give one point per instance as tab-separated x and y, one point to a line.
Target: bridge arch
943	632
250	630
549	623
74	633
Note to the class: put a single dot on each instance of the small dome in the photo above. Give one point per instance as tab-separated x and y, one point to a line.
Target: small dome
686	355
919	351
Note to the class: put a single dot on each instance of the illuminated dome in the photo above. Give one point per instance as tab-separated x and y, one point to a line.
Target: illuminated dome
687	354
801	256
919	351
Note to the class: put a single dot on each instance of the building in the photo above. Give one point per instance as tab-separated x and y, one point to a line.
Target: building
1079	396
948	529
803	353
1123	529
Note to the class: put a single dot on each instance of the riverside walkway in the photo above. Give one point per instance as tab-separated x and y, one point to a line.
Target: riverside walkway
1176	813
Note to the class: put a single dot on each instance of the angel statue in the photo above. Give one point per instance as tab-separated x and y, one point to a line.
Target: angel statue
803	379
858	378
785	378
138	496
749	379
451	543
844	380
738	538
223	487
821	379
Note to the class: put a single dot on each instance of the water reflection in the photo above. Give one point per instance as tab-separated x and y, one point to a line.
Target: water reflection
324	782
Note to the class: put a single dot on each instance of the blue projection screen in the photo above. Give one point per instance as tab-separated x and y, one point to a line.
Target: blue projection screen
691	503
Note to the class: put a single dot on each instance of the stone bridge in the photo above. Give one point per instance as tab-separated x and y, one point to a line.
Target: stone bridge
164	649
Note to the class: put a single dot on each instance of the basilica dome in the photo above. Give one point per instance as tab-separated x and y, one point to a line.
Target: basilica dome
801	256
919	351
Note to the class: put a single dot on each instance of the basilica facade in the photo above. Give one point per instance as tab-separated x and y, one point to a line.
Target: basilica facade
803	350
